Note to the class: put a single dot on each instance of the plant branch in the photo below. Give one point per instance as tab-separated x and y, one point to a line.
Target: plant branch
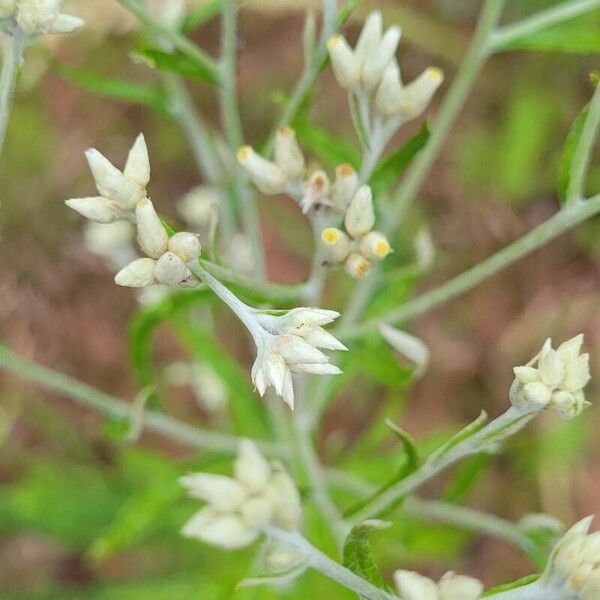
13	44
503	36
232	126
562	221
583	150
118	409
328	567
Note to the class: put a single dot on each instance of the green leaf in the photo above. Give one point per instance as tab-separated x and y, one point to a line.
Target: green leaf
204	13
566	38
511	586
329	149
388	172
467	474
566	162
462	435
176	62
246	408
115	89
357	553
413	460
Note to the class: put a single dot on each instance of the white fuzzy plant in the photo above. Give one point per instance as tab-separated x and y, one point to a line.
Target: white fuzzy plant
261	500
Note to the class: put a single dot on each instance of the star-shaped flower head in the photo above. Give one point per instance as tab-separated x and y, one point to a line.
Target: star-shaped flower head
238	508
120	191
291	344
36	17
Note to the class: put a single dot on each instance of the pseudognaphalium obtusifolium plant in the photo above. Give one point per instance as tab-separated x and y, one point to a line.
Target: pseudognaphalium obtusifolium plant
37	17
239	508
554	379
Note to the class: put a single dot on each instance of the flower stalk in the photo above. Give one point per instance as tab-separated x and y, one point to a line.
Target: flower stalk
13	45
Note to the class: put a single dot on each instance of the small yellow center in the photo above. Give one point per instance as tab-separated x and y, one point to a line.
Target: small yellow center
244	153
345	170
330	235
382	249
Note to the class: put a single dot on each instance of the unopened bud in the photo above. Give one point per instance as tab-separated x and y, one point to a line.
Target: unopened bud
137	167
389	92
417	95
375	64
360	217
139	273
266	175
346	67
186	245
344	187
357	266
370	37
98	208
288	155
152	236
170	269
336	244
374	246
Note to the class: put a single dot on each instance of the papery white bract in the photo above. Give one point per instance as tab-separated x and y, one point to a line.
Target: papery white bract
556	381
413	586
239	507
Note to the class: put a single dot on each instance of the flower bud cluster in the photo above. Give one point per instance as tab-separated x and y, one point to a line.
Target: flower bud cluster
412	586
371	69
554	379
123	197
573	568
260	494
36	17
359	246
291	343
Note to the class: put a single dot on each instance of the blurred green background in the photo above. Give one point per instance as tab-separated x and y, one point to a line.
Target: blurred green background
84	513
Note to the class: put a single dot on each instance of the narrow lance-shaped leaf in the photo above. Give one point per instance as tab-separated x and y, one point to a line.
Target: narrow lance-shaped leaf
327	147
461	436
568	154
357	553
204	13
413	460
175	62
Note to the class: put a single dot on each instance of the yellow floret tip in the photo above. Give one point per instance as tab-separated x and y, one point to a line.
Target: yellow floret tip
287	131
330	235
436	74
382	249
334	41
243	153
344	170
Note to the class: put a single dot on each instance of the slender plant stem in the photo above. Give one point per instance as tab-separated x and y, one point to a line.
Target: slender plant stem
232	126
448	113
13	45
502	37
328	567
506	424
307	77
114	408
182	43
583	151
565	219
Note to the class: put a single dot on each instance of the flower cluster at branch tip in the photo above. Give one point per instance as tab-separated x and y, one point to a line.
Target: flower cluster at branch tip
36	17
123	197
372	70
360	246
413	586
556	381
290	344
573	569
260	494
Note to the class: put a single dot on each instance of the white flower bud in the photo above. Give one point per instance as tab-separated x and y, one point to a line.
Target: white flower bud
279	557
137	167
288	155
266	175
537	394
550	367
111	183
360	216
370	37
412	586
344	187
526	374
316	368
376	63
416	96
7	8
389	92
98	209
357	266
319	338
295	350
374	246
36	16
459	587
577	373
251	468
170	269
346	67
336	244
139	273
568	404
66	24
284	495
316	191
227	531
152	236
569	350
186	245
222	493
257	512
303	316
